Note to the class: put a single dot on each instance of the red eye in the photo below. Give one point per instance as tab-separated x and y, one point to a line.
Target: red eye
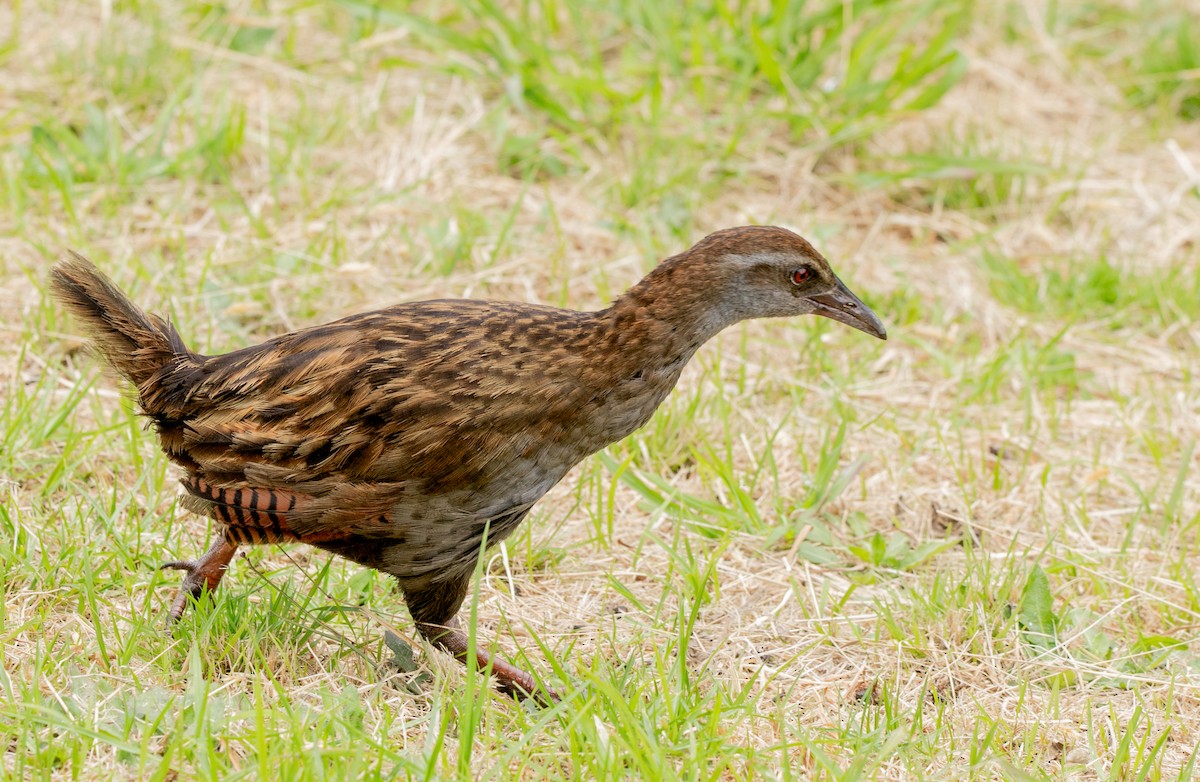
801	275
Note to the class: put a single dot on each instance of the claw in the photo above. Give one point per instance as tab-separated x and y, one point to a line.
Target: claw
203	573
518	684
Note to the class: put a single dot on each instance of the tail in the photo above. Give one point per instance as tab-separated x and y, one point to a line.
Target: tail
136	343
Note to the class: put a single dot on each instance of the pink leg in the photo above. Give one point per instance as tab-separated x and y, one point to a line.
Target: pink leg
449	637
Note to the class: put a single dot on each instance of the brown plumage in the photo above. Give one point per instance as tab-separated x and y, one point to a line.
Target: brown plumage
403	438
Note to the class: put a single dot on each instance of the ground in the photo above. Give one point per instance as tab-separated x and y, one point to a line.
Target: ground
969	551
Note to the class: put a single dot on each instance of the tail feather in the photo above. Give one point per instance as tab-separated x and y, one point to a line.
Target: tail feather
136	343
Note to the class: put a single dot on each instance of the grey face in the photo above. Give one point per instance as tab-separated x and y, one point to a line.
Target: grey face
797	283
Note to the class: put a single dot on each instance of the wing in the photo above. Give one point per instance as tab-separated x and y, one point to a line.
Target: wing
400	406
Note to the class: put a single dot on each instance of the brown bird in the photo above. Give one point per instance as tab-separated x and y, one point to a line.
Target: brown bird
406	438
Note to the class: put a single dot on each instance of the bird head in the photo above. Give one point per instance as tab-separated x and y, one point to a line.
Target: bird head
765	271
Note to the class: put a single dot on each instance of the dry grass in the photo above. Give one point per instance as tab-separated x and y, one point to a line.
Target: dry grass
1013	425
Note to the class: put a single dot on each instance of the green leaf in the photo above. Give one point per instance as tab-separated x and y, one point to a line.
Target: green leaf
402	653
1037	611
817	555
402	659
878	549
251	40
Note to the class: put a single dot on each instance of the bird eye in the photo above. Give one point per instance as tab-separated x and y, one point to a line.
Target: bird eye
801	275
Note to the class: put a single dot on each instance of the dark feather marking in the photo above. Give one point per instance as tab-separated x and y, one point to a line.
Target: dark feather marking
248	508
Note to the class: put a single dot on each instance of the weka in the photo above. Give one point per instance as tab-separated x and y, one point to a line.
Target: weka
404	438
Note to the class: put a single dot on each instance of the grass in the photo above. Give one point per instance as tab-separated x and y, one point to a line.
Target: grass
968	552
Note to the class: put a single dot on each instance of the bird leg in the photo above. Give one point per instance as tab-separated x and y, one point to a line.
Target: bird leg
434	608
203	573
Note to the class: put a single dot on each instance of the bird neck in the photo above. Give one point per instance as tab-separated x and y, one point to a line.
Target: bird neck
661	321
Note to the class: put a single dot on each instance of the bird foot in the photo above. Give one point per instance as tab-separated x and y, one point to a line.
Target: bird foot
516	683
510	680
203	573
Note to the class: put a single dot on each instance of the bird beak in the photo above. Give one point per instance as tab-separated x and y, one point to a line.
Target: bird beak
843	306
